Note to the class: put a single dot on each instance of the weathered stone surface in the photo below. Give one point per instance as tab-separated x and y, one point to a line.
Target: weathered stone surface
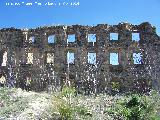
45	73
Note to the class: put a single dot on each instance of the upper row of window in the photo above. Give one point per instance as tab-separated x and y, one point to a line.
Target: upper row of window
91	38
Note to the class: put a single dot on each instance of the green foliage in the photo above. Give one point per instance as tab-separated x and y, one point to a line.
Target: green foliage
115	86
133	102
81	110
136	107
63	103
68	91
66	111
65	107
156	117
10	105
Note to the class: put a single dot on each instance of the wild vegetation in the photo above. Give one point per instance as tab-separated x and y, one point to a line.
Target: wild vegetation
17	104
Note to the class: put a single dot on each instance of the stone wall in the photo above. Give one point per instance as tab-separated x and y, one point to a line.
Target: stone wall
37	58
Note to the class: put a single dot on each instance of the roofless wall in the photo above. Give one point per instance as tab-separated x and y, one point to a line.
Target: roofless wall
102	58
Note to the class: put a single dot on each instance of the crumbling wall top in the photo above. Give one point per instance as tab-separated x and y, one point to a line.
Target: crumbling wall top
123	26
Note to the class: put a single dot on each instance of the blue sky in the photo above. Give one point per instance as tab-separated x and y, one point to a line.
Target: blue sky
89	12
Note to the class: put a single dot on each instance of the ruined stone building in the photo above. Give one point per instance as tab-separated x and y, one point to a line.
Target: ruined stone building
91	58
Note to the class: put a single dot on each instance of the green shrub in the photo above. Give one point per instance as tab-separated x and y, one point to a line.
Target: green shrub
136	107
67	109
115	86
81	110
10	105
155	117
68	91
63	103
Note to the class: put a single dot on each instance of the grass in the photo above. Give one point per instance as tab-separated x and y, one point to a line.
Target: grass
18	104
65	105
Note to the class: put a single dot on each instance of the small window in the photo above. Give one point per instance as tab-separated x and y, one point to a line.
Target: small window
51	39
135	37
30	58
71	38
91	37
70	58
137	58
32	39
50	57
92	58
113	36
4	59
114	59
